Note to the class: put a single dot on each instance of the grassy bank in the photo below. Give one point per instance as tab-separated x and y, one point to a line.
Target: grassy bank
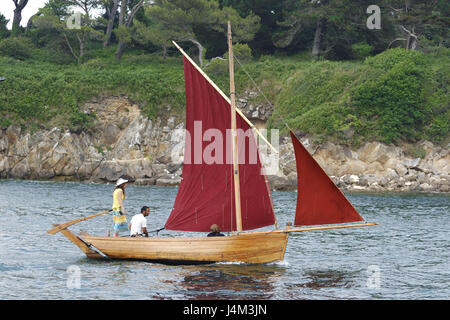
41	94
393	97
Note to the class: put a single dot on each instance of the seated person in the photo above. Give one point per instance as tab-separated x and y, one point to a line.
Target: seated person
138	224
215	231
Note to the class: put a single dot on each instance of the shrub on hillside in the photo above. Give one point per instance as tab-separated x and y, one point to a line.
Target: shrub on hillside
242	52
217	67
18	47
361	50
392	99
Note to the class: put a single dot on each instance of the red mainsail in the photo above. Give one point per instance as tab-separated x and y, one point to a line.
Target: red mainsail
319	200
206	192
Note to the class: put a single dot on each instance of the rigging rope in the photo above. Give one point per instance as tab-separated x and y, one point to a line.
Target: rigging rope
260	91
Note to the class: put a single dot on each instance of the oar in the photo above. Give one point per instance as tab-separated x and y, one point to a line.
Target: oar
63	226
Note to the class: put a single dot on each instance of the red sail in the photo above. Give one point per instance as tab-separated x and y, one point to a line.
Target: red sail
319	201
206	192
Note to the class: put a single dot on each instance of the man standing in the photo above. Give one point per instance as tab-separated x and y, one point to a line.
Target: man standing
138	224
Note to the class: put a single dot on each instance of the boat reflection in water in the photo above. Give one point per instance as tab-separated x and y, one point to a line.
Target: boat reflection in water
225	281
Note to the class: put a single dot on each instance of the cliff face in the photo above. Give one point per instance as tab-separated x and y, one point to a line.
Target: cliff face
125	142
122	142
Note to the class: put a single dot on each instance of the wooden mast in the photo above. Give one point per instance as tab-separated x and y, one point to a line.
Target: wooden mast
237	188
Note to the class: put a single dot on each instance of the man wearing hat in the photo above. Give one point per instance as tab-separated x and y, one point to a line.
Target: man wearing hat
119	217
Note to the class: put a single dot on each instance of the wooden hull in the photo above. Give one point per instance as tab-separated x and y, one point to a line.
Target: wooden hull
255	247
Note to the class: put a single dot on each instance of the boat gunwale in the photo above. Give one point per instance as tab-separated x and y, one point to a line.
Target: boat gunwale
240	236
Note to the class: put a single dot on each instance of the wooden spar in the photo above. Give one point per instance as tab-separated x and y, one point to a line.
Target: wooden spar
289	229
225	97
65	225
237	187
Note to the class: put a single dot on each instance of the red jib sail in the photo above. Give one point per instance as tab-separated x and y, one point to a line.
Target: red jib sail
206	192
319	200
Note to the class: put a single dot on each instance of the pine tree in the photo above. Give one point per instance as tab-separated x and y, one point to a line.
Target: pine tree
413	17
183	18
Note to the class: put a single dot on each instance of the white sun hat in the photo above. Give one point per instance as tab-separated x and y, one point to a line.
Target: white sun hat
121	181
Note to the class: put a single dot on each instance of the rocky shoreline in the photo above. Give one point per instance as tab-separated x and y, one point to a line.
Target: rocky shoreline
124	142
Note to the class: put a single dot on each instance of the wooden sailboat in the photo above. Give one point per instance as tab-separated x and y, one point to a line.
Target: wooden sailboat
230	191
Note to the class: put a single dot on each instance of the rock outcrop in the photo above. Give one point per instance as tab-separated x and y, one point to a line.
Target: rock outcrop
375	167
125	142
122	142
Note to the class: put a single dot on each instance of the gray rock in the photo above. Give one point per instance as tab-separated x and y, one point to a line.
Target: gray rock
411	163
110	133
145	181
168	182
401	170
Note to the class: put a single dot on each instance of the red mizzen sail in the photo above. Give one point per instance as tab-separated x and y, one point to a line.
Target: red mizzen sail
319	201
206	192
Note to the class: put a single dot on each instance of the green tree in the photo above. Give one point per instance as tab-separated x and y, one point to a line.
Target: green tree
75	29
333	23
128	10
111	8
331	28
183	18
154	33
414	17
440	19
269	12
4	32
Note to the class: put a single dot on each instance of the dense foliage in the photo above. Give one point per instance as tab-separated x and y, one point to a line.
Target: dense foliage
39	94
325	72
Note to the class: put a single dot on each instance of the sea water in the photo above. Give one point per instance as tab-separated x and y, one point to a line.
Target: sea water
405	257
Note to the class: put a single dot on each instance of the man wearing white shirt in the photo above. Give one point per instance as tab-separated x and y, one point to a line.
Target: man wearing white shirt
138	224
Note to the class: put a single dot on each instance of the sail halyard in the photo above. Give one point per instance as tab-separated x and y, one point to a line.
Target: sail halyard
205	193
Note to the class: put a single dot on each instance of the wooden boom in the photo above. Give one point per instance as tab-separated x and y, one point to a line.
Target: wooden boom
290	229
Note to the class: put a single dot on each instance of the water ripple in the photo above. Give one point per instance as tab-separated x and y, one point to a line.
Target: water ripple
409	251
